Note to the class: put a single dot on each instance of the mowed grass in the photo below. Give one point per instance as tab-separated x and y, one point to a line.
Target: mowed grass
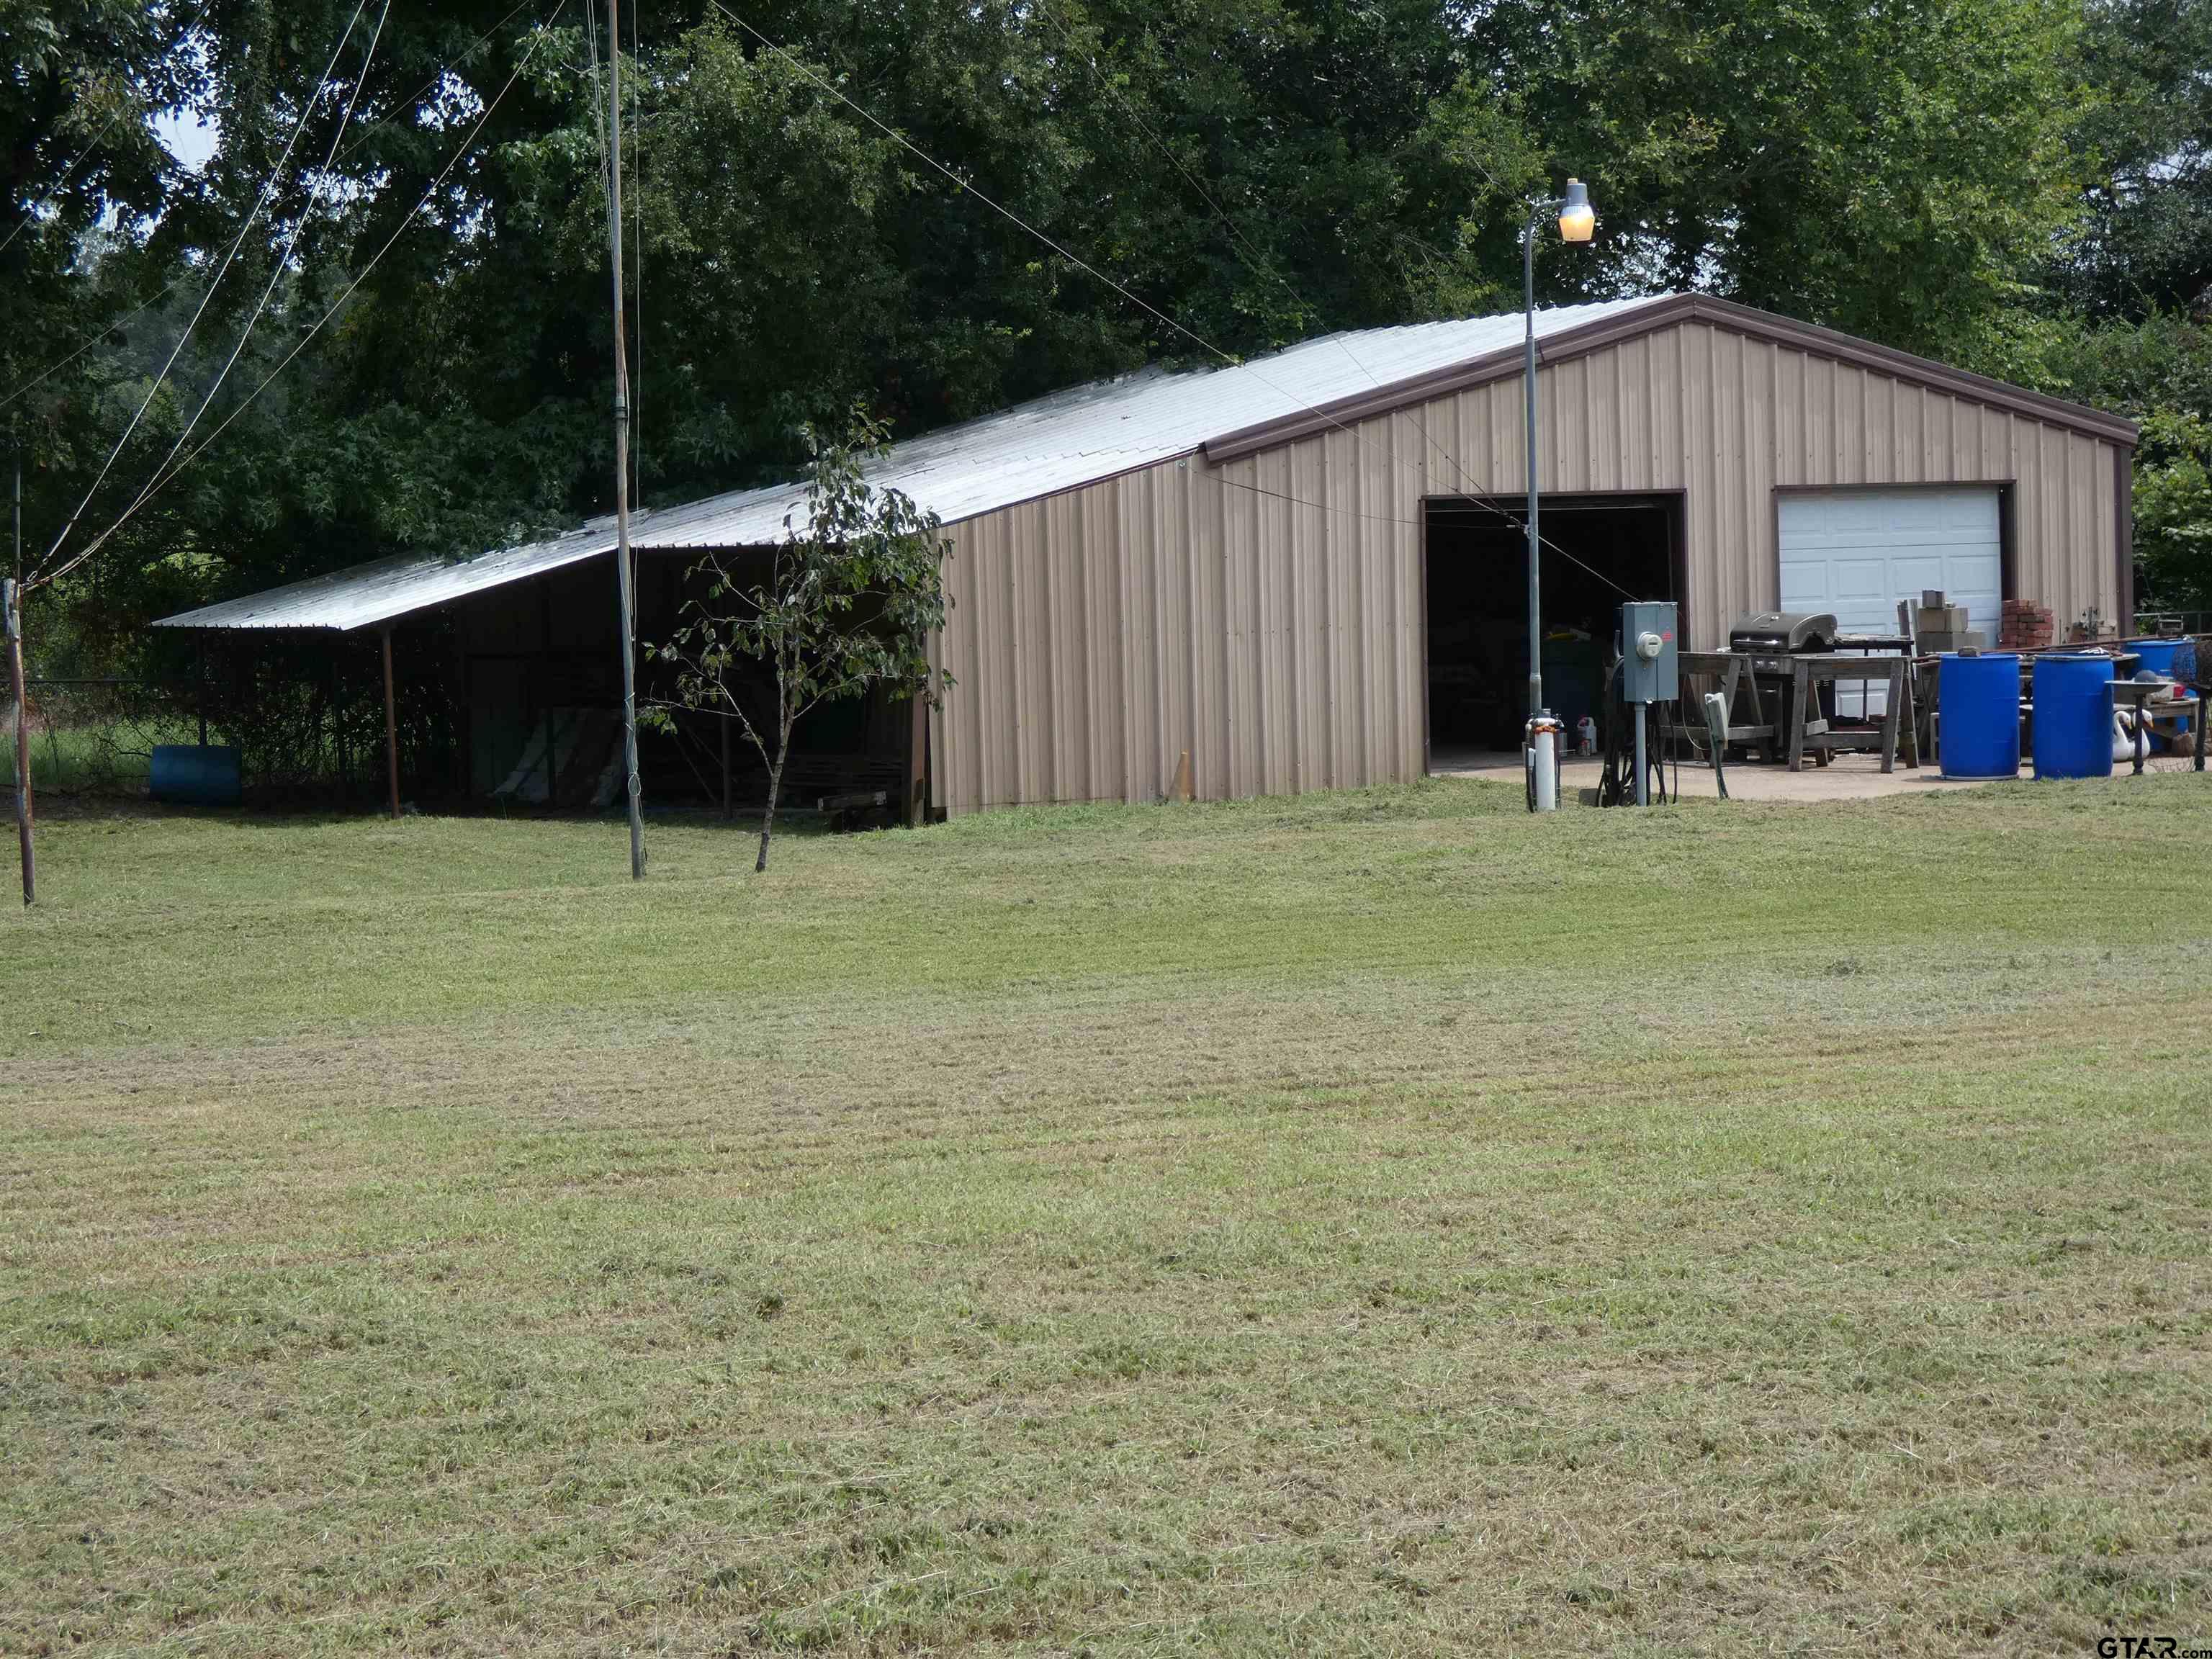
1370	1223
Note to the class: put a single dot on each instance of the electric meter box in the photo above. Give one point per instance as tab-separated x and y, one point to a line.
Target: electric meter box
1650	669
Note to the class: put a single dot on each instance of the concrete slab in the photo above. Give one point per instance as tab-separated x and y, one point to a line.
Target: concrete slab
1846	777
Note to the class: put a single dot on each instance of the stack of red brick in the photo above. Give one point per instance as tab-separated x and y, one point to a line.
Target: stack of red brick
2023	626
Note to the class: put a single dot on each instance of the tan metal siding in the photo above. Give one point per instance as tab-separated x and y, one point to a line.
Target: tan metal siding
1265	615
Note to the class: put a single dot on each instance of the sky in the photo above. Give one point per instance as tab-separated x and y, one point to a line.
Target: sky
188	139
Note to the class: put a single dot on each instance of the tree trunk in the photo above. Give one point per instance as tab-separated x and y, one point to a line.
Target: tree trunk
775	788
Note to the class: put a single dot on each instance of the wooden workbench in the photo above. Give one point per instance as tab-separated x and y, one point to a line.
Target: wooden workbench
1790	732
1810	672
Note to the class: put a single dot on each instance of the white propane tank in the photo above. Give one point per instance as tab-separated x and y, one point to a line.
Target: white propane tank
1540	756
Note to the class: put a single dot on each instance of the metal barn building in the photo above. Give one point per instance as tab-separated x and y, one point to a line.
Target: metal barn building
1306	572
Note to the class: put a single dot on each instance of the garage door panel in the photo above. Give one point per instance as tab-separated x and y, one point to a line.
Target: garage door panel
1805	588
1919	572
1858	581
1856	553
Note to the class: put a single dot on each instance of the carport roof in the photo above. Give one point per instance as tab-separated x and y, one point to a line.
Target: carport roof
1094	432
1057	442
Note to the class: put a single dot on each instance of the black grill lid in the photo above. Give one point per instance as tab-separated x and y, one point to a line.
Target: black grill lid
1783	630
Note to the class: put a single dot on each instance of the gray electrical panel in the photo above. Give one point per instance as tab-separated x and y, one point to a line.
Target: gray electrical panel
1649	667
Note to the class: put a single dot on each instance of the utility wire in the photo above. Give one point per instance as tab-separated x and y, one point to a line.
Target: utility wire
85	341
360	136
606	170
30	213
322	322
281	264
637	240
1264	267
262	200
1462	504
1083	264
990	201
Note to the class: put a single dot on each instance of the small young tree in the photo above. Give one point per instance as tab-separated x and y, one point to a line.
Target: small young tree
847	603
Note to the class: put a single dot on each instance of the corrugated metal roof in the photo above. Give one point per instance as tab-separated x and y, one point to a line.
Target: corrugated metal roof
1060	442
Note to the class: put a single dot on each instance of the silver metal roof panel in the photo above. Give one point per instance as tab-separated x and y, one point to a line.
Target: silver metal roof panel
1040	448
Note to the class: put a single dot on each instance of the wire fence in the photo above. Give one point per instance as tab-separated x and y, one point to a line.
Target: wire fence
2173	624
94	737
307	718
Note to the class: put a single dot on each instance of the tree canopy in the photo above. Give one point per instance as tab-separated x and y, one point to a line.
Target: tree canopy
935	211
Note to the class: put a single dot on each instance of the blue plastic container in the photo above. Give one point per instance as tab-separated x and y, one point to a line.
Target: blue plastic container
185	775
2175	659
1977	701
2073	717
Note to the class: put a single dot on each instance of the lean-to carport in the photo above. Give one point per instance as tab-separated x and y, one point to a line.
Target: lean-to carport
379	596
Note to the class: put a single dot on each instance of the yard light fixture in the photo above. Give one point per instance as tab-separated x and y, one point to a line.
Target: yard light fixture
1577	219
1578	223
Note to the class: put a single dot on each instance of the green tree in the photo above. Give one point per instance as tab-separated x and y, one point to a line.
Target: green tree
2159	371
2145	243
845	605
1249	170
1886	168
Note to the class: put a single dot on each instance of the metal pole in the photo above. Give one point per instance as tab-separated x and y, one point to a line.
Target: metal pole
625	577
1643	772
11	609
390	730
1535	606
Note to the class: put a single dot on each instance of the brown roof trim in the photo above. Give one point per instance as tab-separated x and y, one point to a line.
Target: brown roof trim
1668	313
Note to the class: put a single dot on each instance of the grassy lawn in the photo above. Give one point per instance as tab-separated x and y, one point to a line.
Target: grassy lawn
1373	1224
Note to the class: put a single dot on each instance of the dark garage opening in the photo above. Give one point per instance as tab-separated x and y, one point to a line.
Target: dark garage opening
1601	550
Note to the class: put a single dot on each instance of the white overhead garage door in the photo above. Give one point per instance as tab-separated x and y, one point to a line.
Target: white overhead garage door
1857	552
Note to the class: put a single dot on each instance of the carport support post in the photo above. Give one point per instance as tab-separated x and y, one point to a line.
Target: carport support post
391	728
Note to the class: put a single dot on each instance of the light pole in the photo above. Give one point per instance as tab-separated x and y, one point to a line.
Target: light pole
1576	221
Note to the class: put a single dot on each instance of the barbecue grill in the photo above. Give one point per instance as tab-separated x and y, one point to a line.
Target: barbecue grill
1770	638
1782	633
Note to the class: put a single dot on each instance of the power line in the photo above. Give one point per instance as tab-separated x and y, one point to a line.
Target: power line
637	290
1434	509
254	213
84	155
1209	345
1266	268
431	85
322	322
85	341
990	201
282	262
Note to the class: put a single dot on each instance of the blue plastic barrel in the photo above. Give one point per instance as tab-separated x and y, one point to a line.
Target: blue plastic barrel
2073	717
185	775
1977	700
2175	659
